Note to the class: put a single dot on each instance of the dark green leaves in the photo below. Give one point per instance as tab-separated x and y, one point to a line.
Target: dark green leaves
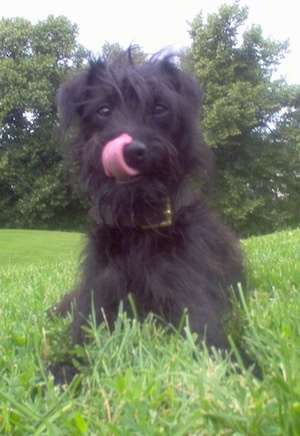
249	119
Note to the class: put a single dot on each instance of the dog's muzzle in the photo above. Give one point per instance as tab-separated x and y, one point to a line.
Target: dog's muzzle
122	156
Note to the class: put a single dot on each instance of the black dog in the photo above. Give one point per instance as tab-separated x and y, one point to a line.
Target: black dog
139	152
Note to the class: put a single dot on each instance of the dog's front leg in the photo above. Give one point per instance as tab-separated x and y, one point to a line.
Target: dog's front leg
99	297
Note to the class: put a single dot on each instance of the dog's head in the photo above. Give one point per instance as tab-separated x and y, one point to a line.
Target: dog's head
137	137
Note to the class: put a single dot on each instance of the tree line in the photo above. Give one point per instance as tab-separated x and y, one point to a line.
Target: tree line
250	120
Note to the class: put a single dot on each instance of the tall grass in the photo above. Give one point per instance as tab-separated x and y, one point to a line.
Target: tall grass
140	379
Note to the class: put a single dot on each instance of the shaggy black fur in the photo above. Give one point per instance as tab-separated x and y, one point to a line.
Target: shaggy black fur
154	234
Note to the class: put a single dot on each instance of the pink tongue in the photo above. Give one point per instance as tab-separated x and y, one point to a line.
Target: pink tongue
113	159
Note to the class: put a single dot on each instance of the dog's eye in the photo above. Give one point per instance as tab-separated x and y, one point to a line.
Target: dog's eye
104	111
160	109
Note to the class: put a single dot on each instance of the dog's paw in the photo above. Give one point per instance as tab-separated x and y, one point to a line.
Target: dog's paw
63	373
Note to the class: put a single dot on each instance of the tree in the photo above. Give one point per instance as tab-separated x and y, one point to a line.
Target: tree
243	109
111	51
34	60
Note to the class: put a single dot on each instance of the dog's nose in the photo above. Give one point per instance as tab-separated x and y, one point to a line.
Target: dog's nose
135	154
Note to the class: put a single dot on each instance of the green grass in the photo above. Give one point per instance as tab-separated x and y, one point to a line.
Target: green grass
19	247
141	380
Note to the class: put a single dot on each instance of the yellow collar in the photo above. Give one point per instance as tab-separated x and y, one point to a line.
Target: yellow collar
166	222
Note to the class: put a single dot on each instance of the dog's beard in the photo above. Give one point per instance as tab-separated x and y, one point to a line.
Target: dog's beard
138	204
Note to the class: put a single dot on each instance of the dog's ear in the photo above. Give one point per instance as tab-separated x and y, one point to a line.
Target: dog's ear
191	89
96	72
183	83
70	97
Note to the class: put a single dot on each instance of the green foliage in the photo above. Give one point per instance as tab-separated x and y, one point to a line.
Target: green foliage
34	60
243	120
142	379
250	120
111	51
239	94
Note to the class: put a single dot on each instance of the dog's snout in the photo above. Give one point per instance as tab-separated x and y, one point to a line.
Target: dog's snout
135	153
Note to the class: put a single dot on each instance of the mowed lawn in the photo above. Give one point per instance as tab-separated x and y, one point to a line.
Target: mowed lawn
24	247
141	379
